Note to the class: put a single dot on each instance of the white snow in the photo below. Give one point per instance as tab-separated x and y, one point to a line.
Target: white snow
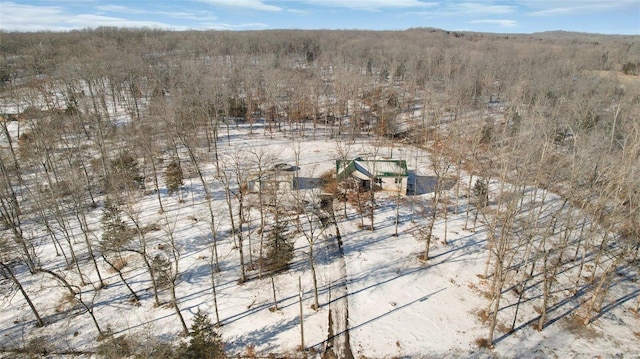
398	305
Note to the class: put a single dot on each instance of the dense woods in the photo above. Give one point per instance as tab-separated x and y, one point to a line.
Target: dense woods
534	139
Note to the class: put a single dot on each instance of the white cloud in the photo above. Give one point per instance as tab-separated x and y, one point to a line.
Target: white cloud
91	20
298	11
196	16
244	4
119	8
223	26
575	7
468	9
479	8
499	22
372	5
18	17
554	12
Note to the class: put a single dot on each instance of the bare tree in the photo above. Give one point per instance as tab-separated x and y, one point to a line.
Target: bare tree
314	224
7	272
235	183
440	165
173	272
76	293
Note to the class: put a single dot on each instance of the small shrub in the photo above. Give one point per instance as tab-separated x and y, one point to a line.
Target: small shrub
483	315
120	264
631	68
484	343
487	134
25	139
504	328
153	227
250	352
159	350
67	301
328	182
115	347
37	346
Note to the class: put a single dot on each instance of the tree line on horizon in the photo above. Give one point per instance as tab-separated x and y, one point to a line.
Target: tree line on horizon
540	114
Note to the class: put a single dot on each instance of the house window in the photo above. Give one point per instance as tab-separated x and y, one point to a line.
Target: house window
398	180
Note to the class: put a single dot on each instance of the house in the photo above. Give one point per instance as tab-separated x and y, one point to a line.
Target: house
279	177
388	175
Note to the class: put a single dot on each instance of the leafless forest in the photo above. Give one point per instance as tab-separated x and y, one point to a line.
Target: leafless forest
94	120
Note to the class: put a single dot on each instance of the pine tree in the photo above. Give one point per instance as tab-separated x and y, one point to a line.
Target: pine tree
173	176
125	173
481	190
487	134
162	270
280	248
116	232
204	340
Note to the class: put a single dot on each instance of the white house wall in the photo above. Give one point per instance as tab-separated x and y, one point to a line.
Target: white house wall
389	184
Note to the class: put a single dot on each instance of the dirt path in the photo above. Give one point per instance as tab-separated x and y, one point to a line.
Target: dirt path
337	344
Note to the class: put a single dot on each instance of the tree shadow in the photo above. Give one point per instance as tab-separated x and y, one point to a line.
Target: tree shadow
264	335
396	309
307	183
419	185
573	298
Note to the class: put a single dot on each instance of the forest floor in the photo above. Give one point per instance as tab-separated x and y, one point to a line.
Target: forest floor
378	299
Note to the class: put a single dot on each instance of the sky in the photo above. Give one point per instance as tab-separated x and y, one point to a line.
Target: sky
498	16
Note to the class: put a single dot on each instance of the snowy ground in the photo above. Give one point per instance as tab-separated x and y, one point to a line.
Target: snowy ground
398	305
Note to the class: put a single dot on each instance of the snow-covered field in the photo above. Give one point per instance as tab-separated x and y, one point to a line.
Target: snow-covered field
383	300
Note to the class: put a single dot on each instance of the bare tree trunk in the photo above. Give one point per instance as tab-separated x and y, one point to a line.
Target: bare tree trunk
10	210
174	303
546	287
84	227
273	288
397	220
497	295
175	273
142	251
68	237
119	271
215	294
446	223
466	217
314	277
205	186
601	290
9	273
301	313
521	291
76	294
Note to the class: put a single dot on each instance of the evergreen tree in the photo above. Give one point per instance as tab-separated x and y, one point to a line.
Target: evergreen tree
280	248
116	232
173	176
204	340
162	270
486	136
125	173
481	190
